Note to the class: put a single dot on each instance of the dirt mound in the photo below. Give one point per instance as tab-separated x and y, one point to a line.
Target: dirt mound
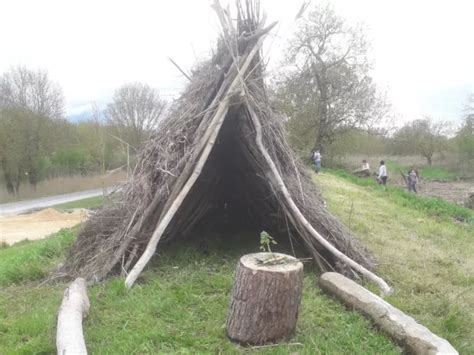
38	225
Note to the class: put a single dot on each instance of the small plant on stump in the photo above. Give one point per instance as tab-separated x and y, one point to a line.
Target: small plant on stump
265	241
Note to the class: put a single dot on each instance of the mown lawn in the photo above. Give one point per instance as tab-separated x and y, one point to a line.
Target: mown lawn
180	303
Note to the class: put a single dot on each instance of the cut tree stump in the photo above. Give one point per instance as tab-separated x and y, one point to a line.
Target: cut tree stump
265	299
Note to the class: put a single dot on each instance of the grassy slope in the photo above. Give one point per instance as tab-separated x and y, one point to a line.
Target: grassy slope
428	259
179	307
181	304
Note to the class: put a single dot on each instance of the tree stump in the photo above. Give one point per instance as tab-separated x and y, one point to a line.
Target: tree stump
265	299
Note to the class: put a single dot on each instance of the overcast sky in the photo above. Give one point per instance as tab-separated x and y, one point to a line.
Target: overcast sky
423	51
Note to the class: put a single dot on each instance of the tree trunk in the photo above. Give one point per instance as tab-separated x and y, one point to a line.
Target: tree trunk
429	160
75	305
265	299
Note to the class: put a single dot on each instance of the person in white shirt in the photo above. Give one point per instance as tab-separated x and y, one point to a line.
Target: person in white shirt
364	170
317	161
382	177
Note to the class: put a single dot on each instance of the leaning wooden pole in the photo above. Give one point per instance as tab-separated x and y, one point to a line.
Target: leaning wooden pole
385	289
74	307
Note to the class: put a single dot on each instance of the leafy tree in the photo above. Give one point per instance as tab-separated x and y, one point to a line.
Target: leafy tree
14	126
329	86
423	137
32	96
465	136
135	111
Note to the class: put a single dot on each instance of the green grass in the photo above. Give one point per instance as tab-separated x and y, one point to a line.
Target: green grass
428	260
432	206
427	172
91	202
32	260
179	306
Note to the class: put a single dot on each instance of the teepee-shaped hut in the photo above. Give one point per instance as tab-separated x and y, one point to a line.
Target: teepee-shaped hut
221	147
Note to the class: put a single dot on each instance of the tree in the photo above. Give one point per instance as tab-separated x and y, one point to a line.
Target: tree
329	86
136	110
465	135
13	145
423	137
38	100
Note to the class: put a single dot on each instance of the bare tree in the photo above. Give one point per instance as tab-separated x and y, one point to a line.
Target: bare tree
38	100
33	91
136	110
329	86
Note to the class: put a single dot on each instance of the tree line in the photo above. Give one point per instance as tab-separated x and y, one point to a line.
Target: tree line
326	91
37	141
333	105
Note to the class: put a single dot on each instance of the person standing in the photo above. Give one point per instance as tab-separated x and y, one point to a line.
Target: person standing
382	176
317	161
412	180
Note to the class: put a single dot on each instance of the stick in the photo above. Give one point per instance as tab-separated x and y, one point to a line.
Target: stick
214	128
385	289
74	307
181	70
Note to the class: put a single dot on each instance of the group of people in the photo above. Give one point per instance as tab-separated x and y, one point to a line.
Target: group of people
411	178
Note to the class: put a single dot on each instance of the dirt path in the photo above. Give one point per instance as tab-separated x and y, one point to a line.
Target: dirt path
452	191
38	225
14	208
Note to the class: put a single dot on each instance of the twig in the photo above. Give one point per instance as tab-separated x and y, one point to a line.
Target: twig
181	70
275	345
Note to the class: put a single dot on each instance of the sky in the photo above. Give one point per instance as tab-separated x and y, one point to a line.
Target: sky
422	51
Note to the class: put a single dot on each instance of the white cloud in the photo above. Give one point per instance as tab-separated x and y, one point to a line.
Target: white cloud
91	47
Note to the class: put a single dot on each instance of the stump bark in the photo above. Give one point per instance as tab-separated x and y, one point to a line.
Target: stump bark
265	299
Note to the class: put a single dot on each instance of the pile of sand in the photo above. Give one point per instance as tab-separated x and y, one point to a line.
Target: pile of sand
38	225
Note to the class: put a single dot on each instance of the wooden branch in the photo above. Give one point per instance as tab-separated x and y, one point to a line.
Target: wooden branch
385	289
74	307
178	67
213	130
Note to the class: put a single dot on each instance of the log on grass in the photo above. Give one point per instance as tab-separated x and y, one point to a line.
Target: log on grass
265	299
74	307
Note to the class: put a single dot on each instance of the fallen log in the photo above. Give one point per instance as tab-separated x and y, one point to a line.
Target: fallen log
74	307
265	298
414	337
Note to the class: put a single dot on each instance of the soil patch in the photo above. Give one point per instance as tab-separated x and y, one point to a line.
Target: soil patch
38	225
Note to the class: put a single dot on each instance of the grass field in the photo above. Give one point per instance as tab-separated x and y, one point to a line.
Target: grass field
91	202
180	304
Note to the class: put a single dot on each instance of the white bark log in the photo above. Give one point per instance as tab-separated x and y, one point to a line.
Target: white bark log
414	337
385	289
74	307
214	128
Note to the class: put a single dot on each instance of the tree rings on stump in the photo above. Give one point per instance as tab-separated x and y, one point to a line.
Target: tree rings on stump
265	298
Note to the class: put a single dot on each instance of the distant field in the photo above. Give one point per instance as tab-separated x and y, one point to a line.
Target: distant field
91	202
62	185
